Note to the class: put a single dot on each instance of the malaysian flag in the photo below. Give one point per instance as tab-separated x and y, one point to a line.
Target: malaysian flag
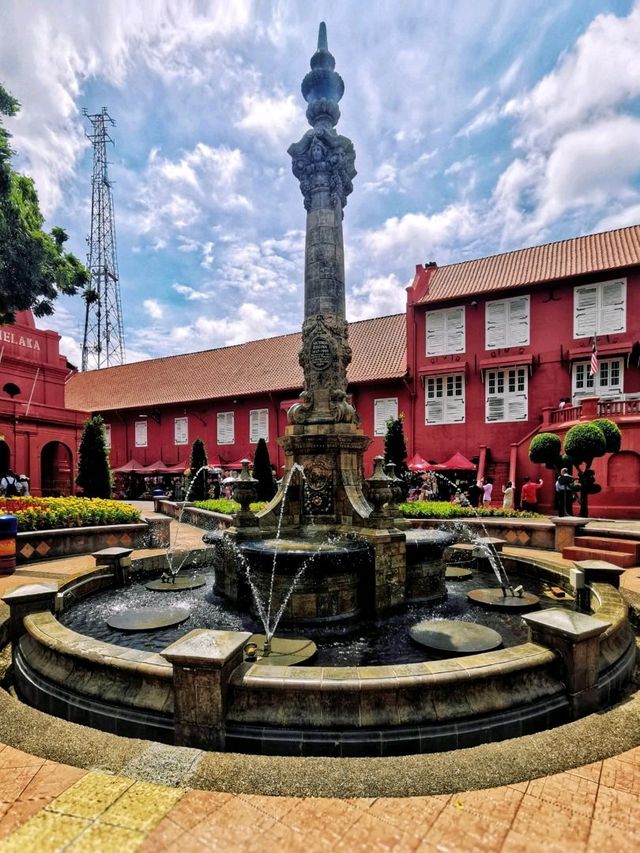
594	359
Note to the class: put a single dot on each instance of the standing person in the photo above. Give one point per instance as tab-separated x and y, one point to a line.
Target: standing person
507	495
529	494
23	481
9	485
475	490
563	493
487	491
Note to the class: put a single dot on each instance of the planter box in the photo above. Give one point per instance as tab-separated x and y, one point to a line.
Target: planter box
67	542
528	533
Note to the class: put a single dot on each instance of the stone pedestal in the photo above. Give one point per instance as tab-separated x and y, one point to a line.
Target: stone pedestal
566	527
25	600
576	639
202	665
118	560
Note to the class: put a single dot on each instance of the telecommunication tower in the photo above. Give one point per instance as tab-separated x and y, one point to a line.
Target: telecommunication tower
103	343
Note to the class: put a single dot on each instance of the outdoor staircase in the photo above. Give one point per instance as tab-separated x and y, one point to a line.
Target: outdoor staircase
624	553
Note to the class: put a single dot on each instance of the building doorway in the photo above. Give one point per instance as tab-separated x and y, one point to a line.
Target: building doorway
56	470
5	458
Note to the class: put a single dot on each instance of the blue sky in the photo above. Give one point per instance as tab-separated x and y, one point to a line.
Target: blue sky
479	127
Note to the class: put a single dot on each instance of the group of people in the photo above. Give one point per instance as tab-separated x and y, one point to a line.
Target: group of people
480	493
14	485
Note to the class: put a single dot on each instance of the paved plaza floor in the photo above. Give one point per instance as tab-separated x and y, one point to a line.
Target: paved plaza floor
50	806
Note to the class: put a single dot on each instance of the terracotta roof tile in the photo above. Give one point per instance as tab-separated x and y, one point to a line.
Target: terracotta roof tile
271	364
608	250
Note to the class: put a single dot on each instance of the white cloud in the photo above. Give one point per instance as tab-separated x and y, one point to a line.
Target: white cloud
376	297
415	233
153	308
275	119
385	178
191	293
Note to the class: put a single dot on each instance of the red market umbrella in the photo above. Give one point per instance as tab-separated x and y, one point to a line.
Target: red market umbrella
457	462
131	467
417	463
157	467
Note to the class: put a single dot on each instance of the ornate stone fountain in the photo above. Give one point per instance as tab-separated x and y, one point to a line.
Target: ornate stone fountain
323	438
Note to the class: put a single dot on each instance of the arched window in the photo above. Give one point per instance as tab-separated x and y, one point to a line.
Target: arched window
11	389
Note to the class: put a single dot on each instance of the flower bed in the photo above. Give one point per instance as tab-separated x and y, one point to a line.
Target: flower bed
444	509
57	513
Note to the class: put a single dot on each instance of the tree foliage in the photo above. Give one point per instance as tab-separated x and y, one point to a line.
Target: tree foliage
262	472
583	443
34	267
395	446
94	471
198	486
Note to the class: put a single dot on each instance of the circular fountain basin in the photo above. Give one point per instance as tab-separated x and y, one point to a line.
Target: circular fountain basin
494	599
452	637
178	584
148	618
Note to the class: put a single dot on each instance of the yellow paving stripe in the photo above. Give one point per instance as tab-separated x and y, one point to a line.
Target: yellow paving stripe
45	833
142	806
91	796
101	837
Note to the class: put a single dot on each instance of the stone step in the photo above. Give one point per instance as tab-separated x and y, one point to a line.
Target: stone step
625	561
605	543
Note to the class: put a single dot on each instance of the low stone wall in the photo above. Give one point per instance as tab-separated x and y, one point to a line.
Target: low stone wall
516	532
33	545
190	514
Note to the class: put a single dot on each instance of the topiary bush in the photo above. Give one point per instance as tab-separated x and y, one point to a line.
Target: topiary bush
545	449
584	442
611	432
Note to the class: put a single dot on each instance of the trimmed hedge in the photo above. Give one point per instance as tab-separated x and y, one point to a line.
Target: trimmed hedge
444	509
226	506
57	513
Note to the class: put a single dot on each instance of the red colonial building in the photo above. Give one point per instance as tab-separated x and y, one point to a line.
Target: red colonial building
233	396
39	435
479	363
494	345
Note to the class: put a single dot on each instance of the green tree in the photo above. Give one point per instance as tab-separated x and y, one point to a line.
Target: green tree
94	472
263	473
395	446
198	486
34	267
582	444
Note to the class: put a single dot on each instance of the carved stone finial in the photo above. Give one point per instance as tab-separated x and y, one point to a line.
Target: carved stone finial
322	87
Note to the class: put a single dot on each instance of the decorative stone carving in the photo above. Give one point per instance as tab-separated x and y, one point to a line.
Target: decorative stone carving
379	488
323	160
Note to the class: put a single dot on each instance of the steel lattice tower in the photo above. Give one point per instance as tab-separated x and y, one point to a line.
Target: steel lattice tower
103	343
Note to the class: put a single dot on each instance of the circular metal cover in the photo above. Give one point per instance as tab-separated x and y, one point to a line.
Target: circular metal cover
285	651
455	637
148	618
457	573
495	600
178	585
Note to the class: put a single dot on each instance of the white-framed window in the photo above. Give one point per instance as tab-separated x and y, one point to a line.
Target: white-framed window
444	399
141	434
445	331
608	381
506	398
107	436
181	430
226	431
507	323
600	309
258	425
384	410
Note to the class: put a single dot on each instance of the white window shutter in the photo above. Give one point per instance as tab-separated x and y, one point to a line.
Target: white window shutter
518	321
612	308
455	330
435	332
254	426
383	410
585	311
496	325
225	428
517	407
495	409
454	410
435	411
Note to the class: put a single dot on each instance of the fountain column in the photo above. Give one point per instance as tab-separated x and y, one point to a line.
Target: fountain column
323	433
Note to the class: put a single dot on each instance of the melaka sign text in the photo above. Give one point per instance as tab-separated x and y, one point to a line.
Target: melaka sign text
19	340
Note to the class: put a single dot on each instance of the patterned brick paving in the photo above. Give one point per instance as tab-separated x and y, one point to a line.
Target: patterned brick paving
46	806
